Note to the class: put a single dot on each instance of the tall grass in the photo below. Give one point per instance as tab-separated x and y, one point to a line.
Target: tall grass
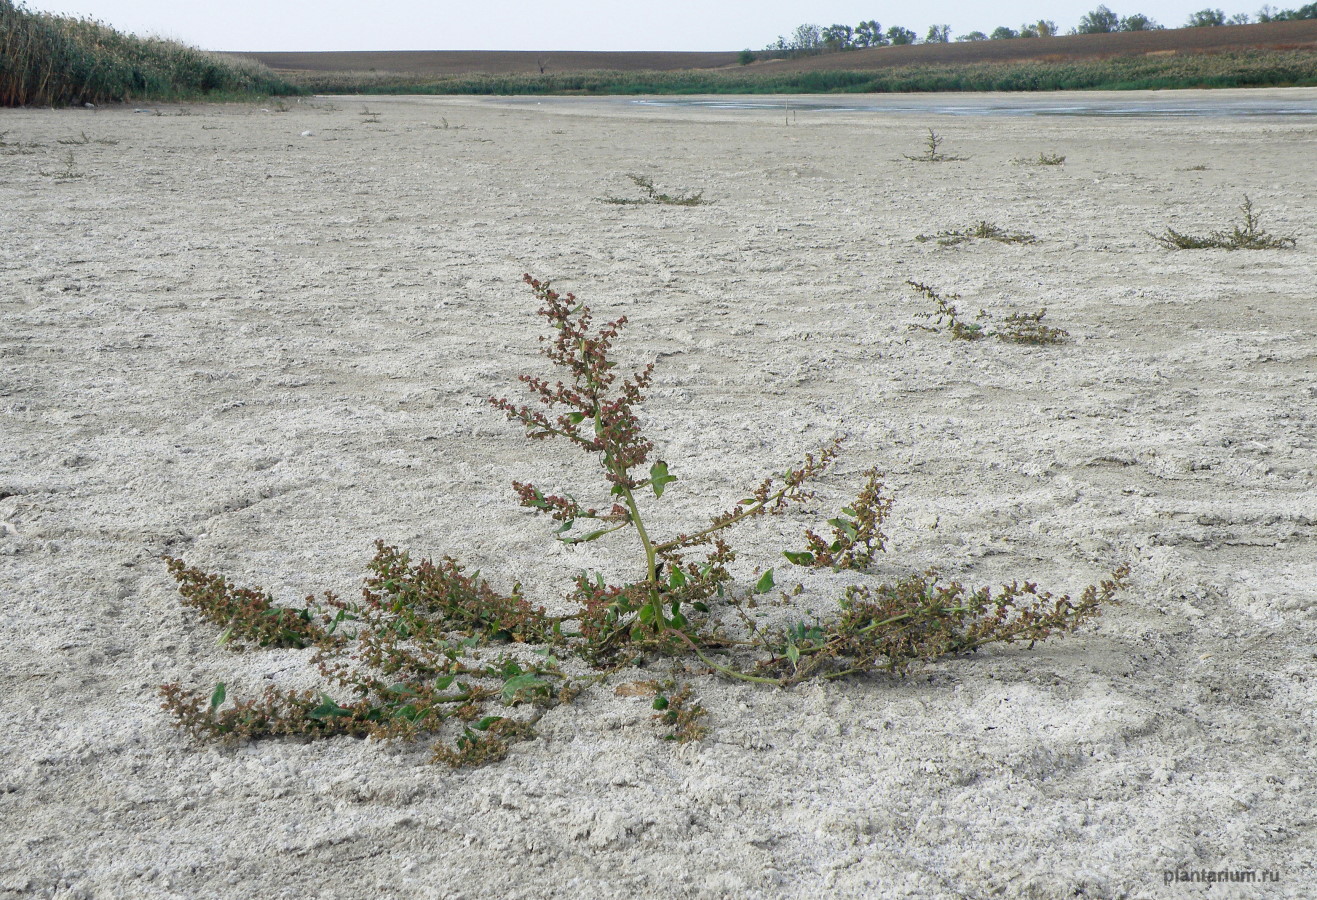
49	60
1233	69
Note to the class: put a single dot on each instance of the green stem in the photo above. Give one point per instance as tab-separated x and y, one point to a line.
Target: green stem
941	609
725	670
651	555
750	510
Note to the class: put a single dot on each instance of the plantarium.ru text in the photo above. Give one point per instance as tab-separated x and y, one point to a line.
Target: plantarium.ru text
431	649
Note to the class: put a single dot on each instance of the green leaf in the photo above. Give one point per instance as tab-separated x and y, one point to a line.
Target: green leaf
225	635
765	583
677	578
528	683
659	477
218	697
702	607
646	614
846	510
585	538
328	709
483	724
846	526
660	703
442	683
793	653
799	557
576	418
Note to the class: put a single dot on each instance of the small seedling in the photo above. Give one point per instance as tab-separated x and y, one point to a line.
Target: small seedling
1249	237
654	195
678	709
1017	328
983	230
932	153
432	649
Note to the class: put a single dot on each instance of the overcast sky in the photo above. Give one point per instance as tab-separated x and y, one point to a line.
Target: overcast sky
566	24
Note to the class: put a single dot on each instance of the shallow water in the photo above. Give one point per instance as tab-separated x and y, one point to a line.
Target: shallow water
1289	102
1024	105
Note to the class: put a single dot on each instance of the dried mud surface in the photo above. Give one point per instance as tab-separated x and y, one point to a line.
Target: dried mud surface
262	339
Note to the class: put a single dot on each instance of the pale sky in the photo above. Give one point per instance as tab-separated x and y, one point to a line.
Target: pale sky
568	24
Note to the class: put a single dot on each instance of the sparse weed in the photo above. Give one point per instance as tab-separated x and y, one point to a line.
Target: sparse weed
982	230
1042	159
947	314
83	139
1017	328
654	195
369	115
69	171
18	148
430	649
932	153
1249	237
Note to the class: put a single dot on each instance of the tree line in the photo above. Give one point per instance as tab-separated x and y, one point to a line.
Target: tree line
809	39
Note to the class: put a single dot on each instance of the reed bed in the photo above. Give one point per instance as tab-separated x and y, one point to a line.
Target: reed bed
1255	68
50	60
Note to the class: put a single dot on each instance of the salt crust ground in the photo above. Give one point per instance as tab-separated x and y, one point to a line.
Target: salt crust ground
262	348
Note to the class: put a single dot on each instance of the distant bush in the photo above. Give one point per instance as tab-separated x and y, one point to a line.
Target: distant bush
48	60
1288	15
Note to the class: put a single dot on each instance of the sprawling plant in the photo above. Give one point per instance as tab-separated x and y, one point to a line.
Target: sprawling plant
430	648
1246	236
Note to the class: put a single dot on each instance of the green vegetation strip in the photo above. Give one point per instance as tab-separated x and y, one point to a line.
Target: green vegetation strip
1237	69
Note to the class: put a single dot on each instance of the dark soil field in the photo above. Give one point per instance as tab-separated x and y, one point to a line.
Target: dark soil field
428	63
1270	36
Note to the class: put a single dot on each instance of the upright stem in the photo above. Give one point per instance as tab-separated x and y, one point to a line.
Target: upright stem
651	555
